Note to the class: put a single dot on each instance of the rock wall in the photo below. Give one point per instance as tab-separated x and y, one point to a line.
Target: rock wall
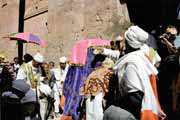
63	22
8	24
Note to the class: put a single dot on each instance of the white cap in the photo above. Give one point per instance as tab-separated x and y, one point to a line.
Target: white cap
63	59
38	58
136	37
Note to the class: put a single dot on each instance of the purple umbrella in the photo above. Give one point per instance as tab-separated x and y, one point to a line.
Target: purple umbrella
29	38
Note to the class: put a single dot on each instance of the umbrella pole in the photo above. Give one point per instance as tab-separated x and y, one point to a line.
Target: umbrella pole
21	29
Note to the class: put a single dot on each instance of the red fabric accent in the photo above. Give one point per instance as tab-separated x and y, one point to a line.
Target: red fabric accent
154	85
148	115
62	101
64	117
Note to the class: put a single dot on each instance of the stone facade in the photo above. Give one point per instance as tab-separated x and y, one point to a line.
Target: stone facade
8	24
61	23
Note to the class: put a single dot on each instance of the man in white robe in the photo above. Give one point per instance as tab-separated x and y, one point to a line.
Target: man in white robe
137	70
60	76
30	73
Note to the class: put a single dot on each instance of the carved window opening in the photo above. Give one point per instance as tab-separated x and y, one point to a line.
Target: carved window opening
3	3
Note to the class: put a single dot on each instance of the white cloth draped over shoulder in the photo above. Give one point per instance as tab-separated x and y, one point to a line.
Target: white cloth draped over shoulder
25	74
144	69
153	55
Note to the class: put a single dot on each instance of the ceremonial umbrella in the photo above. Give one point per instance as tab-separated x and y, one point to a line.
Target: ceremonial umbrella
79	50
27	38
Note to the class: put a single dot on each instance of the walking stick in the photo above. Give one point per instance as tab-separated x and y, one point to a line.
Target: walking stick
37	103
49	107
50	99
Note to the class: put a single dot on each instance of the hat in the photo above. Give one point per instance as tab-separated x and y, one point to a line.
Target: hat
136	37
108	63
20	85
38	58
63	59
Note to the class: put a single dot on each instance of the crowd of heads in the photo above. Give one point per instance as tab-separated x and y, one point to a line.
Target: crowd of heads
133	39
37	62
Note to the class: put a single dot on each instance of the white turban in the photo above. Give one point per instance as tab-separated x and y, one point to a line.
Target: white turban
136	37
63	59
38	58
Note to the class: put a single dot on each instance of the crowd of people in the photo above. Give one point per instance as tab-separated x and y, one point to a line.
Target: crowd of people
135	77
35	84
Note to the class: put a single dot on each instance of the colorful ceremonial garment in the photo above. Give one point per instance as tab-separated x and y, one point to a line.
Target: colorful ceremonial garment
79	50
97	82
74	81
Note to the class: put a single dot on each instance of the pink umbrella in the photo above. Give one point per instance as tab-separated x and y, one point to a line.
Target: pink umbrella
29	38
79	50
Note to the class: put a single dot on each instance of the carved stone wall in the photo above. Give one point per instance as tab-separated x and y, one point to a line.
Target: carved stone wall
72	20
8	24
62	22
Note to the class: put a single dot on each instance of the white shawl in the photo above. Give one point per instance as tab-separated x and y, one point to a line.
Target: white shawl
144	69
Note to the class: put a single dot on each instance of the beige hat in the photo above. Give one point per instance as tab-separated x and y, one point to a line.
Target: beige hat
136	37
38	58
63	59
108	63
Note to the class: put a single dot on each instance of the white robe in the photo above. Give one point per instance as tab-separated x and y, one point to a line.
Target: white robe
94	110
60	76
139	79
30	95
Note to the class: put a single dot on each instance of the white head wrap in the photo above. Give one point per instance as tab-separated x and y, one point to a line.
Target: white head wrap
38	58
136	37
63	59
